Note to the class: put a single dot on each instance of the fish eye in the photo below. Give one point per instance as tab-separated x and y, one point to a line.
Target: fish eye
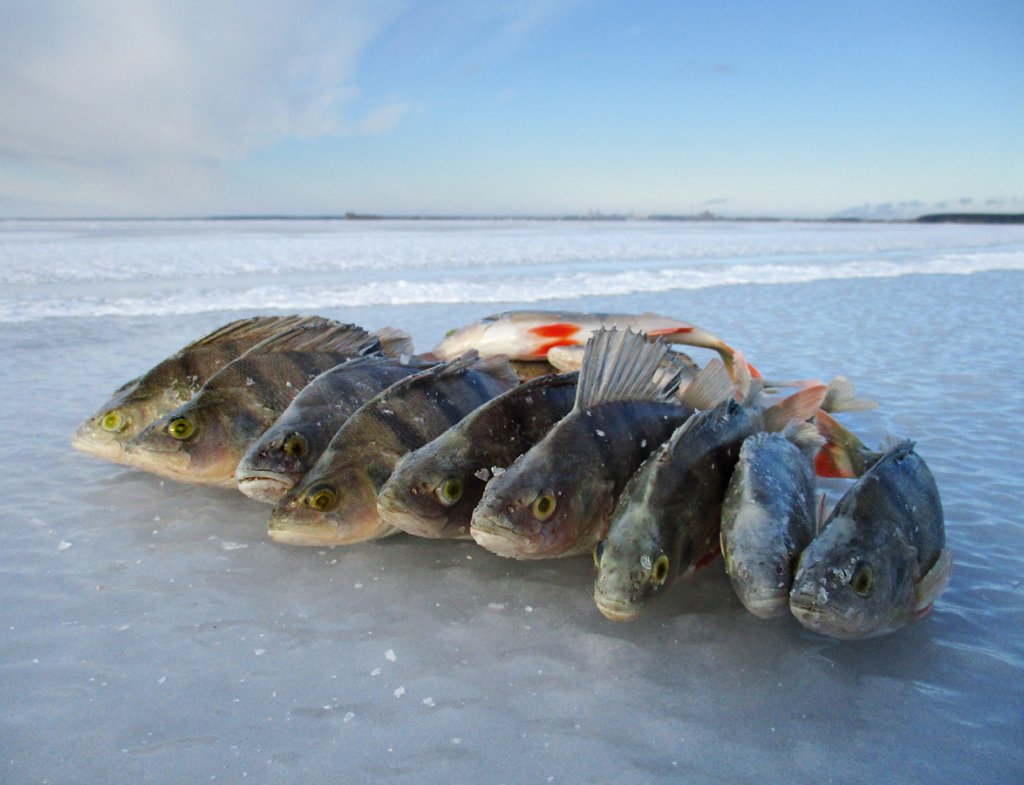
863	580
598	551
180	428
113	421
322	498
295	445
660	571
450	491
543	506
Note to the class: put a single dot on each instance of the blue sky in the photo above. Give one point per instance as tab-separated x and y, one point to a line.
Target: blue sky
877	109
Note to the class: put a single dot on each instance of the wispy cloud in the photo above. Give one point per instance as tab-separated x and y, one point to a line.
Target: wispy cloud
157	95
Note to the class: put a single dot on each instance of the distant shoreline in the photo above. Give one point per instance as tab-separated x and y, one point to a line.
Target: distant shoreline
934	218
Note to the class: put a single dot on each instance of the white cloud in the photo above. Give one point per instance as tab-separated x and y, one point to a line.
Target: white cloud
112	101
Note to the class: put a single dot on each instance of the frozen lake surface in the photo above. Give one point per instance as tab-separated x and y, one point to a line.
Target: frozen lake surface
149	631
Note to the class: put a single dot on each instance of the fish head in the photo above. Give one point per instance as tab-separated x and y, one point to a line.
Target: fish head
329	507
634	564
275	463
200	441
544	505
432	493
849	586
761	572
121	419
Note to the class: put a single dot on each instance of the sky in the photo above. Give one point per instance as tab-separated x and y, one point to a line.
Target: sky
150	108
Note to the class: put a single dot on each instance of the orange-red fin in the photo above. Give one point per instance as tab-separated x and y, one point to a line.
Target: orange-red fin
544	348
708	557
670	331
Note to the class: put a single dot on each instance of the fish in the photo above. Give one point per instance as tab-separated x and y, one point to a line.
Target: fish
881	561
335	503
435	488
556	499
203	440
288	449
769	516
666	522
172	382
530	335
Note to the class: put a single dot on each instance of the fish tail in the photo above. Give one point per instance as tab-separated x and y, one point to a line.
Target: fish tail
843	454
841	398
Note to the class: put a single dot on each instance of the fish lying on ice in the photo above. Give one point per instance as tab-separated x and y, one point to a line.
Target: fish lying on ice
530	335
203	440
335	503
667	520
556	499
434	489
769	516
279	458
880	561
172	382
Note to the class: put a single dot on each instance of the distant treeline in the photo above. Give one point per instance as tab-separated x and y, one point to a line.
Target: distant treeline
972	218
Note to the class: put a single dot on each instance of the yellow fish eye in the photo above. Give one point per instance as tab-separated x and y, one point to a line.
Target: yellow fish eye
660	570
180	428
322	498
295	445
543	506
598	551
113	421
450	491
863	580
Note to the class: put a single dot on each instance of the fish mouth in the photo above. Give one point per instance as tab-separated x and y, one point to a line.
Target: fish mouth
491	534
267	487
294	525
766	606
90	442
419	524
615	610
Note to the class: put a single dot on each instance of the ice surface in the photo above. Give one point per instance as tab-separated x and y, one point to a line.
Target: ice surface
150	632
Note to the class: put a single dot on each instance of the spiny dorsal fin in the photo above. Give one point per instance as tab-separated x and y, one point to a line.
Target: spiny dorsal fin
840	398
254	328
394	342
328	337
709	387
798	407
621	366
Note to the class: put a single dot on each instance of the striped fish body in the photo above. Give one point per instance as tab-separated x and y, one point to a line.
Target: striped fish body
768	519
557	499
203	440
434	489
666	522
880	561
172	382
290	447
336	502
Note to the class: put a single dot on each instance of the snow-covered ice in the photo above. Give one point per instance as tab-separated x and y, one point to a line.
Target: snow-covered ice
150	632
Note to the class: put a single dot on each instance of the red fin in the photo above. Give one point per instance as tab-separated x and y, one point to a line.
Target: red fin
670	331
556	330
825	464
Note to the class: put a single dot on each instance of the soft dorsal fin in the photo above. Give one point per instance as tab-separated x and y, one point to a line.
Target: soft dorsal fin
805	436
255	328
621	366
324	337
496	366
394	342
709	387
841	398
798	407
